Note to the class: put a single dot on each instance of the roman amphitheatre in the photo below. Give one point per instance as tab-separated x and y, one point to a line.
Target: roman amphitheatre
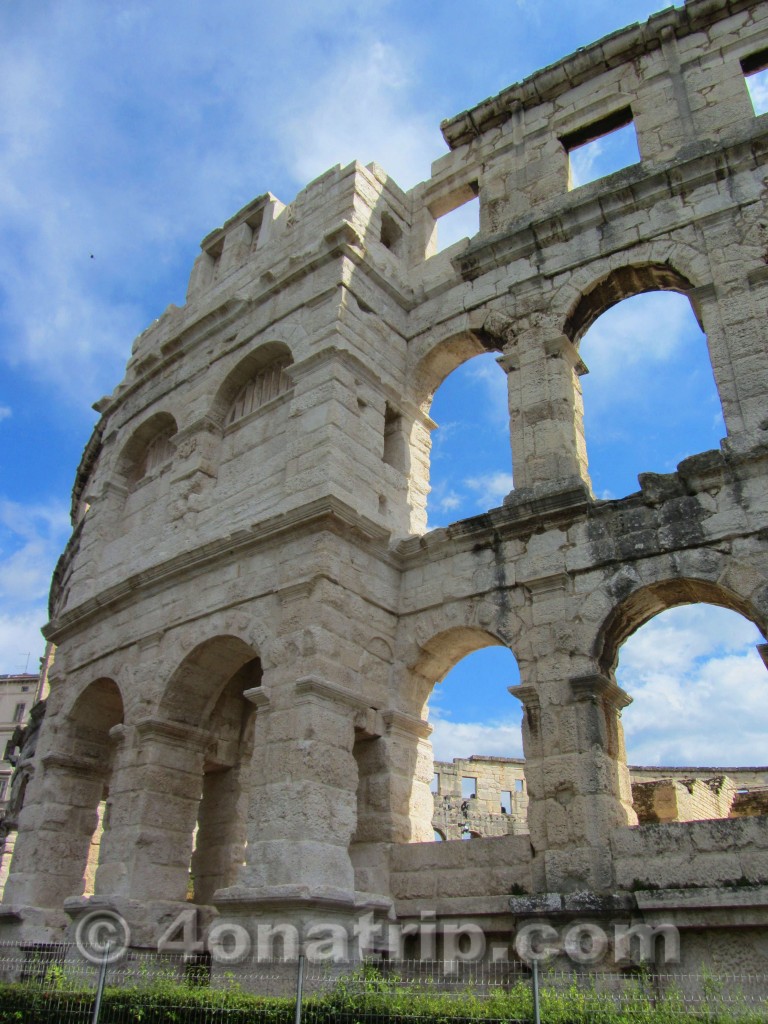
250	615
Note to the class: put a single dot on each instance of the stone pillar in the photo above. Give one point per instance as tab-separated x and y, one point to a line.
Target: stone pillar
194	470
153	804
55	830
394	803
546	414
731	315
303	805
577	778
6	855
221	835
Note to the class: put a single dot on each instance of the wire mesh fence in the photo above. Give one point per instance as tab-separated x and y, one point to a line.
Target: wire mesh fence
57	983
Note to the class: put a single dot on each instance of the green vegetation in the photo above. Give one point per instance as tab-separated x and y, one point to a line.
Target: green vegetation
369	996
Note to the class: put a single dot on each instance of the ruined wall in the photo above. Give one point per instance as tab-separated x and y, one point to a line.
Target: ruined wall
497	807
659	794
249	607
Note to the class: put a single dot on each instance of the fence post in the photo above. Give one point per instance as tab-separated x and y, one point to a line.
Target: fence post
299	990
100	984
536	1012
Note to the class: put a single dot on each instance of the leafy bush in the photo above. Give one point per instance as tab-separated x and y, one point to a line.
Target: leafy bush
371	996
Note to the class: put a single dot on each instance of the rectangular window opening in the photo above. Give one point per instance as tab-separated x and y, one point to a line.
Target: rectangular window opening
519	785
601	148
18	714
391	234
457	216
435	784
755	70
506	801
468	786
394	443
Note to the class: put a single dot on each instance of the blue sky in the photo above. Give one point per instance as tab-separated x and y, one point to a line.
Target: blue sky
131	129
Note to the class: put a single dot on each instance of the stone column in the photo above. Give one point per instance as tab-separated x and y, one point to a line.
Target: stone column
153	804
577	778
731	315
55	830
303	805
395	803
221	836
546	414
9	842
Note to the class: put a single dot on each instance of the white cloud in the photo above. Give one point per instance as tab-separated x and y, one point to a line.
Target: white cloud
31	540
636	333
30	536
583	161
131	160
700	690
491	488
461	739
358	110
486	371
21	642
463	222
757	85
5	412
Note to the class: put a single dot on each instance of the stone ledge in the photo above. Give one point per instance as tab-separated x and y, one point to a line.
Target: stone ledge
709	897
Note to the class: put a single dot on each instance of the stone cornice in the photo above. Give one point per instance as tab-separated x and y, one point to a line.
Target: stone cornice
600	688
587	63
626	190
399	721
72	763
219	551
172	731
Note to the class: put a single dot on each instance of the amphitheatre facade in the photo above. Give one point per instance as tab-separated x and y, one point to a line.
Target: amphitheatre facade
250	615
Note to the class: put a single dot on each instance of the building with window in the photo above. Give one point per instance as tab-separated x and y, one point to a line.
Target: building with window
17	695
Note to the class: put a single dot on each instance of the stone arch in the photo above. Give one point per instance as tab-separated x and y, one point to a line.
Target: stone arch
196	685
83	767
148	448
444	649
209	692
256	362
622	283
648	600
437	357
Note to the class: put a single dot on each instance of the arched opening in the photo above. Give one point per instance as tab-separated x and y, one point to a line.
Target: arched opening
149	450
211	690
90	739
471	461
143	475
479	770
220	834
650	398
695	733
256	380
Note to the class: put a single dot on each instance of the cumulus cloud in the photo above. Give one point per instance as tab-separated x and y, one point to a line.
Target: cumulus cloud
462	739
490	488
700	690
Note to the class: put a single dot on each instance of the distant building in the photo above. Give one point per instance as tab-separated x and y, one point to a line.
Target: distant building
17	695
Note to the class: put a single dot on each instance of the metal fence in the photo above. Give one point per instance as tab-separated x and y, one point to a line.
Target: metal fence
56	983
